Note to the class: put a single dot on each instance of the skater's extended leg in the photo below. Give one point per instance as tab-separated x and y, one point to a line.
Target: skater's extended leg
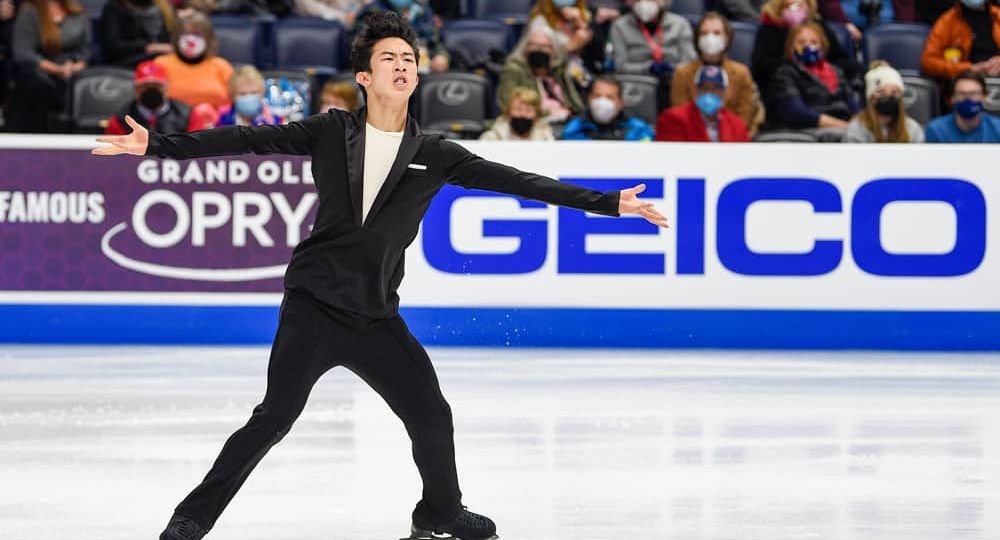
296	363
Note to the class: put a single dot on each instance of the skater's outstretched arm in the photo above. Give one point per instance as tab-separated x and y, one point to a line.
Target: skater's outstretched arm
293	138
471	171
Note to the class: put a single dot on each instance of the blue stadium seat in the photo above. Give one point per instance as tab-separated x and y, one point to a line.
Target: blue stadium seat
899	44
744	34
304	42
453	102
242	40
484	9
474	39
688	7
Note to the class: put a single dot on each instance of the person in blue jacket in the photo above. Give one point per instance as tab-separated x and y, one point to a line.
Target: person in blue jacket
605	119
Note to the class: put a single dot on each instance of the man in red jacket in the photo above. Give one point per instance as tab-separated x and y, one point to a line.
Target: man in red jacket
152	109
704	119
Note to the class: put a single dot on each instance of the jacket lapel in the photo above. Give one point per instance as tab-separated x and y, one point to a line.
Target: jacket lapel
408	148
355	138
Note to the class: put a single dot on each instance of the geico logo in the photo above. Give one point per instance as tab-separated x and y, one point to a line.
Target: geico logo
865	235
228	171
246	213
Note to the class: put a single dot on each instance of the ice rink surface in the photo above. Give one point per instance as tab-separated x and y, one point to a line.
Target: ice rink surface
100	443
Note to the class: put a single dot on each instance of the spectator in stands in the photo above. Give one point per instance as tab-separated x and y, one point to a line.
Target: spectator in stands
538	62
51	45
342	95
521	120
966	37
151	108
807	91
712	39
605	118
884	119
421	17
197	75
705	119
651	40
777	19
343	11
968	123
246	93
598	55
569	21
132	31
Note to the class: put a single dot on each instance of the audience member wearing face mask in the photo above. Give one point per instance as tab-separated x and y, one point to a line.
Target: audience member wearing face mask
152	109
966	37
651	40
705	119
605	119
540	64
884	119
712	39
340	95
968	122
778	18
248	107
196	74
133	31
807	91
521	120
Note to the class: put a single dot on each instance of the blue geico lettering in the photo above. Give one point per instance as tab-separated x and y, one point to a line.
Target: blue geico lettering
825	256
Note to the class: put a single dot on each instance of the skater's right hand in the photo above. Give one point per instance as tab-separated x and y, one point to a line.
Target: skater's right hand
134	143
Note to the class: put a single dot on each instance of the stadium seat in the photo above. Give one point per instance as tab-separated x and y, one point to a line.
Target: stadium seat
453	102
473	39
744	34
688	7
897	43
992	103
242	40
921	99
785	137
97	93
639	94
484	9
305	42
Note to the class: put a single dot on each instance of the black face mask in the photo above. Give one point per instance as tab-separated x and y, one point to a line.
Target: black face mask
521	125
887	105
539	59
151	99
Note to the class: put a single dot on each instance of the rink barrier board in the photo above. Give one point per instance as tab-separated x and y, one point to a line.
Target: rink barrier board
530	327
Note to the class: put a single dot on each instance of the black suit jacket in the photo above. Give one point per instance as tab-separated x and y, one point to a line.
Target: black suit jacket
354	266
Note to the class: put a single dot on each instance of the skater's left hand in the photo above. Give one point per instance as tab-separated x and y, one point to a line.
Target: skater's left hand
629	203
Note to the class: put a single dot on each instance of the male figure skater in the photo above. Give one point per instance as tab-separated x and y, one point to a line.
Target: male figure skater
375	174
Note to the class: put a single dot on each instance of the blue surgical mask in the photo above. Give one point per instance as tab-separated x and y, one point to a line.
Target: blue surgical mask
974	4
808	55
249	106
564	3
968	108
401	4
708	103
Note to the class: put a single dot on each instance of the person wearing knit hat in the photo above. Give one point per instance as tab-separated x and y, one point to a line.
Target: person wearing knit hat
884	117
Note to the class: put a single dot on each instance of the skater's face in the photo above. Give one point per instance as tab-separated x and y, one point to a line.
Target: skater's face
393	72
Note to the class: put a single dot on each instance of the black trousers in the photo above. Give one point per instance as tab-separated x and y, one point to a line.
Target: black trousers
311	339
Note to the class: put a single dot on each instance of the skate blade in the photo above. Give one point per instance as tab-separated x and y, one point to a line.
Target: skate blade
418	534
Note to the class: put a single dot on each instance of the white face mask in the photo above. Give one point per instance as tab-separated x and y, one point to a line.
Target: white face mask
192	45
712	44
603	110
646	10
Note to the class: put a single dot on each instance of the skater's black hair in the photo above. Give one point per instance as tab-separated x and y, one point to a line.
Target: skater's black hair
378	26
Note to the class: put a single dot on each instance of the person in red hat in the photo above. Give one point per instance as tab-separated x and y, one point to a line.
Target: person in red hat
705	119
152	109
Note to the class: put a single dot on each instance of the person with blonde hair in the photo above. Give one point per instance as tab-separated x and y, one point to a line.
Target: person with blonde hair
884	118
248	107
51	45
521	119
341	95
196	74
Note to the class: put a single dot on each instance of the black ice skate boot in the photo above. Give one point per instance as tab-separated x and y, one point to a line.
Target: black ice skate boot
183	528
466	526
